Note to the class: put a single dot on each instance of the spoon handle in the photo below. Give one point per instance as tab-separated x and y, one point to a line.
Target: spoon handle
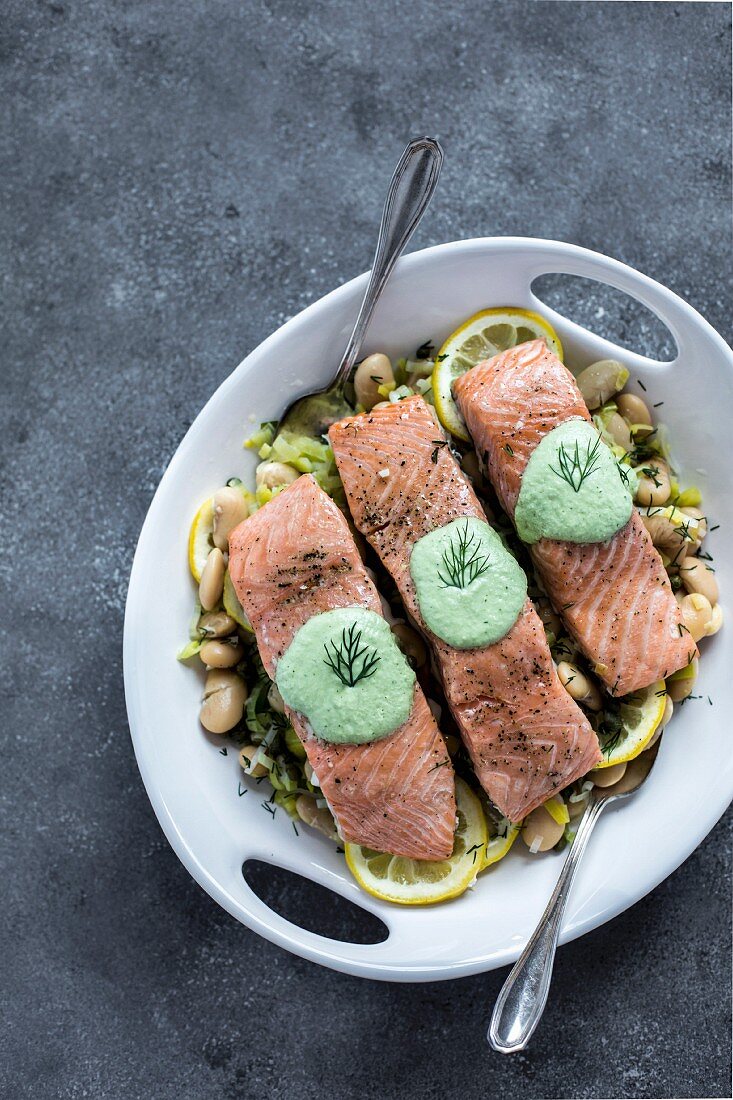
522	1000
411	189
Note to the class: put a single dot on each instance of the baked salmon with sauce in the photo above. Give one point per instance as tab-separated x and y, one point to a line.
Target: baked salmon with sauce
526	736
294	559
614	597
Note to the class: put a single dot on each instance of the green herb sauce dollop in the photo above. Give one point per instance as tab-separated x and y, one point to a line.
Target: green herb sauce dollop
346	674
573	489
469	588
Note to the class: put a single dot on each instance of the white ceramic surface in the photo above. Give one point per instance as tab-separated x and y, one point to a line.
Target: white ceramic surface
194	789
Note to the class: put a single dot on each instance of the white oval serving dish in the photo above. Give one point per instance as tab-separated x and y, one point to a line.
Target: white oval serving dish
195	790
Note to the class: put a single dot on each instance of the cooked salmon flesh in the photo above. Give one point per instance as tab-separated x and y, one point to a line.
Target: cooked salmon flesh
526	737
614	597
294	559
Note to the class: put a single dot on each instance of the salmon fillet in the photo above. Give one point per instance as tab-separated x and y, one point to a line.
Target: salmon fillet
614	597
526	736
294	559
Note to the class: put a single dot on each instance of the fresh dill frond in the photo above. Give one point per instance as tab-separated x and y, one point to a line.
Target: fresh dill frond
652	473
645	448
440	764
574	467
463	561
561	648
344	657
610	745
684	531
623	475
611	729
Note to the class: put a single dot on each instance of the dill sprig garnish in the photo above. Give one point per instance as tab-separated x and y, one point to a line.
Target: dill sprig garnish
623	474
561	648
344	658
652	473
440	764
463	561
611	730
644	449
575	467
612	741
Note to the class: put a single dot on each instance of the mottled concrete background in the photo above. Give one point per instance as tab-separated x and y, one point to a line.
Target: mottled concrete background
177	179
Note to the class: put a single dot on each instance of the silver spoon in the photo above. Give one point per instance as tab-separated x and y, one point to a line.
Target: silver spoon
523	997
413	183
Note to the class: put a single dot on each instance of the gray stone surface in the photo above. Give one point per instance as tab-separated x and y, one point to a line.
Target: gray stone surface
177	179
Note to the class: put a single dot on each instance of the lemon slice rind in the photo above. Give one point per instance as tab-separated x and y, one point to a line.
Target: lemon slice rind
497	848
201	538
425	882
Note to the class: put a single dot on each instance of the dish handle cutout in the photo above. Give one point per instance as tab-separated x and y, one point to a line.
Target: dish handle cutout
608	313
557	259
309	913
311	906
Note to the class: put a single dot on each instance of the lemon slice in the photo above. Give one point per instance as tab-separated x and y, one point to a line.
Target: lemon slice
201	538
641	713
481	336
497	848
232	606
422	881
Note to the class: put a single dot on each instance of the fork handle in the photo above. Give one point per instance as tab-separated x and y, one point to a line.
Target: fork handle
523	997
411	189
